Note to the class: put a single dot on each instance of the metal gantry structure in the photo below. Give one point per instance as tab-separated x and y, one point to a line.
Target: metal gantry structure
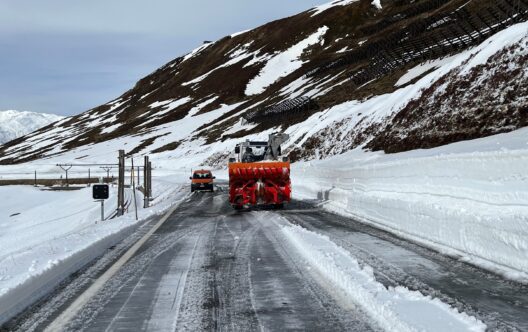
66	168
121	167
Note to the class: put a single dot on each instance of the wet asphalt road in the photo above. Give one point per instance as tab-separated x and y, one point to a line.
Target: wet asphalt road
211	268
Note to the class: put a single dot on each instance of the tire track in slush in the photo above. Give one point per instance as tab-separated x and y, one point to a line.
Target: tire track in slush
145	257
229	283
301	294
165	316
200	271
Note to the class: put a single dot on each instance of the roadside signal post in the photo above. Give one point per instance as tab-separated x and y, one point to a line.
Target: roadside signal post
149	167
100	192
121	166
121	184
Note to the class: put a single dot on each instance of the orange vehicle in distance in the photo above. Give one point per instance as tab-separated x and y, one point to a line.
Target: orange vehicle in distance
202	179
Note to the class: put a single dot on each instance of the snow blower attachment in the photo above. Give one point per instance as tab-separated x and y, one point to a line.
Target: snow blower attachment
259	175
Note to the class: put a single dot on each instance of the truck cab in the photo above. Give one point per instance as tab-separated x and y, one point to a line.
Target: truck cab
202	180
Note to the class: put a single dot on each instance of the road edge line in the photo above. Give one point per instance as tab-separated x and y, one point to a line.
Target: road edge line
60	322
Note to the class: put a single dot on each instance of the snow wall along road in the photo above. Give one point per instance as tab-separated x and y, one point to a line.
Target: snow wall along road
468	199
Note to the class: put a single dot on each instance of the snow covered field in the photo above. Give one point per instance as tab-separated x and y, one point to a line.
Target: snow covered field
468	199
46	235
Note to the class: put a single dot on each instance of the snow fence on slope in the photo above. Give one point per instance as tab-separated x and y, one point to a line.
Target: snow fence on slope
468	199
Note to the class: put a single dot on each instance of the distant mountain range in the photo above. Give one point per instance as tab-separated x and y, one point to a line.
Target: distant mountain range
14	124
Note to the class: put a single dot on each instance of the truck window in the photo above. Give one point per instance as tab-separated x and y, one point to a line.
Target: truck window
201	175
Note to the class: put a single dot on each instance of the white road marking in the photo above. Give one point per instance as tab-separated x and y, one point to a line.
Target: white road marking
62	320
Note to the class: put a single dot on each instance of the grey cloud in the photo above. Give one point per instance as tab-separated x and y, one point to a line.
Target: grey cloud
67	56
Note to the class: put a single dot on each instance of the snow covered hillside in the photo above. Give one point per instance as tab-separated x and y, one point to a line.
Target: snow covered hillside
363	75
14	124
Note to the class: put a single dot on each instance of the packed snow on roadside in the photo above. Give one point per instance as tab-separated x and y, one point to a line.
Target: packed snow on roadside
47	235
393	309
468	199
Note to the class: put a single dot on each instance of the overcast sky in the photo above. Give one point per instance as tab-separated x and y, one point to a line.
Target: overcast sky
67	56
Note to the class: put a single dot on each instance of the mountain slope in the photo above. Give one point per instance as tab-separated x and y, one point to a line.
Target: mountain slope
311	68
14	124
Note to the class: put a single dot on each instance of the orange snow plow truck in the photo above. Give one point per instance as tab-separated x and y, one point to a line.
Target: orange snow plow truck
259	175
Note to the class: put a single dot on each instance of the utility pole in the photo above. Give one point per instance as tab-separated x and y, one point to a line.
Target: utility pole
102	210
145	183
121	184
89	178
35	178
150	180
134	187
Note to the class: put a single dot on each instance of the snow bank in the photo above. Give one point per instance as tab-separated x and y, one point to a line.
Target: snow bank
468	199
45	236
394	309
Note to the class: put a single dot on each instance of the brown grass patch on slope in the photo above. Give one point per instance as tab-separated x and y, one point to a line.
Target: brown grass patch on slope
490	99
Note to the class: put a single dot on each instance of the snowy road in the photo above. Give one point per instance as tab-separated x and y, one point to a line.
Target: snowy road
502	305
211	268
201	271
